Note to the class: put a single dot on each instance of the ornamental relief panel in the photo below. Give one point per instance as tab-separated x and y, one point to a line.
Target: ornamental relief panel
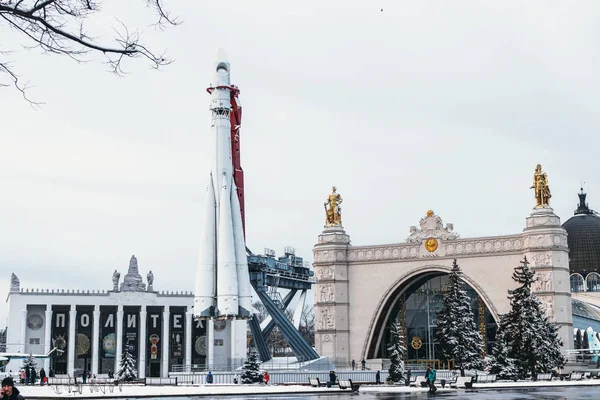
324	273
544	282
540	259
325	319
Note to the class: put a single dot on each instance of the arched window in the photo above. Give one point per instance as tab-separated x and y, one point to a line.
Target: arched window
593	282
577	283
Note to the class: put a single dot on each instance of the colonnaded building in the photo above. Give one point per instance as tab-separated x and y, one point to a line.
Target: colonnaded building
362	290
93	328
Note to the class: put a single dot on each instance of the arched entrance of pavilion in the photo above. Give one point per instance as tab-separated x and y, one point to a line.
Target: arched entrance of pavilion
415	300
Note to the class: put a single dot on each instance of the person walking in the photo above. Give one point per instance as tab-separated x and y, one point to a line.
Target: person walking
22	376
9	391
378	378
42	377
27	375
32	376
354	364
430	378
266	377
363	363
209	377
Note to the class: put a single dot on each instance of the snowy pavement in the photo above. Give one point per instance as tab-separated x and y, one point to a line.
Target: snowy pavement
132	391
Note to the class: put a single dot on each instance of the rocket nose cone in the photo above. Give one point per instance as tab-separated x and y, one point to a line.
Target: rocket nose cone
221	61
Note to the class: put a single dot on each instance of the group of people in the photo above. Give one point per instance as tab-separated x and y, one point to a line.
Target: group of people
28	376
363	364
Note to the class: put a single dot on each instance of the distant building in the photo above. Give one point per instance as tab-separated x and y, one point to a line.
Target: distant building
94	328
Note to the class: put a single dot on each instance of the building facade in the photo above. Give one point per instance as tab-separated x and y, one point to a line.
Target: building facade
361	290
93	329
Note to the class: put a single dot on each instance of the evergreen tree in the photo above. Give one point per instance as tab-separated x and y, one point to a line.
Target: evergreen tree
397	350
501	363
127	370
29	362
525	336
457	332
250	370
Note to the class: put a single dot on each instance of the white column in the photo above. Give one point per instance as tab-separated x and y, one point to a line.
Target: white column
119	340
96	340
142	344
188	339
72	340
47	336
232	343
210	345
22	348
164	373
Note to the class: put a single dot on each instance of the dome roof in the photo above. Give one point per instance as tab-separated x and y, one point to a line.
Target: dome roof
583	239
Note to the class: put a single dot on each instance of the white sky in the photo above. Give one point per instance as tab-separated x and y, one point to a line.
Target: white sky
428	104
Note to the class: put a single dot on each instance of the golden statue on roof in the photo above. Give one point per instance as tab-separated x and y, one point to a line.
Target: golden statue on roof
541	188
333	213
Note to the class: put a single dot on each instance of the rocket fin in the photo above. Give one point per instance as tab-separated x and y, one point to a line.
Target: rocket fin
204	300
241	261
227	284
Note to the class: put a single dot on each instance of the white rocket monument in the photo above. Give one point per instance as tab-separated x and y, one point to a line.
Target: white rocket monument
223	290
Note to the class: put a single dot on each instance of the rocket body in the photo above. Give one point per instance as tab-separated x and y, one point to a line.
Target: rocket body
222	281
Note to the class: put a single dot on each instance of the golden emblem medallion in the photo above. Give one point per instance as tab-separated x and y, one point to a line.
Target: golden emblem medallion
431	245
416	343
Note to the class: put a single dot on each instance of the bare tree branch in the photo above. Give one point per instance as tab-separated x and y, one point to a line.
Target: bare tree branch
58	27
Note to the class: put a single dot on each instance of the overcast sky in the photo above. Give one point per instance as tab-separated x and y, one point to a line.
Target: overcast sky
424	105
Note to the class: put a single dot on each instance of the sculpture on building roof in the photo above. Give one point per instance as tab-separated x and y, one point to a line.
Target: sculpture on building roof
333	214
15	284
431	227
132	282
115	278
150	278
541	188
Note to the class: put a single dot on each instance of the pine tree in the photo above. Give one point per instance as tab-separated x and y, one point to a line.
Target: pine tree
250	370
127	370
457	332
397	350
525	335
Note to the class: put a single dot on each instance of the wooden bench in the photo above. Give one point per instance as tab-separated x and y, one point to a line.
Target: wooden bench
160	381
575	376
347	384
463	382
314	382
491	378
543	377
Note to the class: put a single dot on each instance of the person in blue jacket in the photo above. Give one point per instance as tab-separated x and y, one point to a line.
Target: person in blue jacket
209	377
430	377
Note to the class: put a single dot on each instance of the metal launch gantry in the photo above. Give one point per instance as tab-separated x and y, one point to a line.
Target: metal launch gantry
267	275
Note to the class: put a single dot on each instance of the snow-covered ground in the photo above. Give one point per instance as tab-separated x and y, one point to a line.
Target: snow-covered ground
51	392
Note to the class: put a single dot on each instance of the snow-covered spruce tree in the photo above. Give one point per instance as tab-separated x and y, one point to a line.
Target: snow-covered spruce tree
397	349
29	362
502	364
251	368
457	332
527	337
127	370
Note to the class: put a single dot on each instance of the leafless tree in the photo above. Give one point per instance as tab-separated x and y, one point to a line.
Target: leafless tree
307	324
59	27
